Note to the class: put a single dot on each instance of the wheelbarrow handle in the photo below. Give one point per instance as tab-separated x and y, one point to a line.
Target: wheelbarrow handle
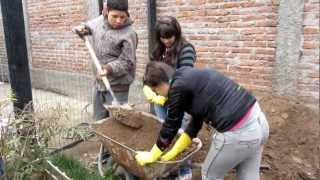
199	146
114	141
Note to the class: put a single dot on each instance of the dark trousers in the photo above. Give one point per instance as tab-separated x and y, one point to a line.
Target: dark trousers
104	97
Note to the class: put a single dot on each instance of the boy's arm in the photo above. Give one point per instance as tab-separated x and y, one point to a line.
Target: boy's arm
127	59
85	28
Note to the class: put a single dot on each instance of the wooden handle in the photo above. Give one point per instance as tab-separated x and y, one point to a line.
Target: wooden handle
99	68
96	61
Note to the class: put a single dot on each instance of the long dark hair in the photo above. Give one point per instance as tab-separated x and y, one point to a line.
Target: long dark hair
167	27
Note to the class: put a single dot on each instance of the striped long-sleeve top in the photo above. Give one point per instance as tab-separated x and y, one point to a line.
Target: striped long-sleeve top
186	56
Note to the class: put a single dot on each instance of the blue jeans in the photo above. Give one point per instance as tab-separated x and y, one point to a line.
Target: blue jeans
1	167
161	112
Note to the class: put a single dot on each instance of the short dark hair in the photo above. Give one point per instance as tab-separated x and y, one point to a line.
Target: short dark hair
157	73
121	5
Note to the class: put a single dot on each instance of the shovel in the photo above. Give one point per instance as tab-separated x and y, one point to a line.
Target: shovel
99	68
115	102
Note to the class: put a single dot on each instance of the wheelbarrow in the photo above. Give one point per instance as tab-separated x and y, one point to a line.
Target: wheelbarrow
125	155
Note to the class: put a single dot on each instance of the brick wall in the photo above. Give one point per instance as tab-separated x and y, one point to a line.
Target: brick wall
235	37
138	12
308	84
54	46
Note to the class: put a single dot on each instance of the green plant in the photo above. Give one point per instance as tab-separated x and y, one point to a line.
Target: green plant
24	141
75	170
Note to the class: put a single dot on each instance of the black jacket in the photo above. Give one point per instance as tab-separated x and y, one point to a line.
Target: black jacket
208	96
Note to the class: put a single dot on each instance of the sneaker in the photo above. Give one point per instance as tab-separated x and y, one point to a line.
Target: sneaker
185	173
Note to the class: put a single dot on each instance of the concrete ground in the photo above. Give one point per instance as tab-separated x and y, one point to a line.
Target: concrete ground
79	111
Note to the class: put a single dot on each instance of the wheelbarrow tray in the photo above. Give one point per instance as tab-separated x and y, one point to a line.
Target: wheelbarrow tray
125	155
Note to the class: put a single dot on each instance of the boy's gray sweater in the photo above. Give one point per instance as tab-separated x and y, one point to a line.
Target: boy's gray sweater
116	51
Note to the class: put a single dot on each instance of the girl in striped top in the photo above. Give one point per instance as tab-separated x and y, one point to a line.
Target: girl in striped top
173	49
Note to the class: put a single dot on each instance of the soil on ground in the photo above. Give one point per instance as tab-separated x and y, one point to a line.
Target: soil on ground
293	148
292	151
87	152
137	139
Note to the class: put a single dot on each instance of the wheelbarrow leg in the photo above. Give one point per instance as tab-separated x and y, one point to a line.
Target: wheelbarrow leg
102	159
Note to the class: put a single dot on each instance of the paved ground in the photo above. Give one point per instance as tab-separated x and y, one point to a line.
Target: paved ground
78	111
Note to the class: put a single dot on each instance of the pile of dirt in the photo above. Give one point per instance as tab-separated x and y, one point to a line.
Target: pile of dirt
137	139
292	150
145	137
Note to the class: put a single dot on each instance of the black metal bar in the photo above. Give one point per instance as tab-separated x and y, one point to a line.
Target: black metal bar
14	30
68	146
152	18
72	144
100	6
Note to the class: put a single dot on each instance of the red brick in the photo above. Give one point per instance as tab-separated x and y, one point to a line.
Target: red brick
255	43
219	12
311	30
310	45
240	50
269	51
190	13
230	5
266	23
197	2
250	4
275	2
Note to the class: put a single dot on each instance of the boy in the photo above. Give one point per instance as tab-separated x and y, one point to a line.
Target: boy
115	43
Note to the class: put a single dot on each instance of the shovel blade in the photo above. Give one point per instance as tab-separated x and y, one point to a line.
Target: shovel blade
125	115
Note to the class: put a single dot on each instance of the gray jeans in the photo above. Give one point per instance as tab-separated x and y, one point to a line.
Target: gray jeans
240	149
104	97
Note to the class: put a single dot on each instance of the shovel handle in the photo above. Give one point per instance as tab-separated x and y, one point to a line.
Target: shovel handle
99	68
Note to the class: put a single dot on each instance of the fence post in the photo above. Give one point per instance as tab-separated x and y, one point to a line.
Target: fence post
14	31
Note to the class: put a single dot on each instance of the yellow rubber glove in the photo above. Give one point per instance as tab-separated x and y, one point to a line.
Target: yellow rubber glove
153	97
181	144
145	157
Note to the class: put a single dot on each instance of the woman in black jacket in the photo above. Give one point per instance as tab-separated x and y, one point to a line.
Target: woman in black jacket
209	96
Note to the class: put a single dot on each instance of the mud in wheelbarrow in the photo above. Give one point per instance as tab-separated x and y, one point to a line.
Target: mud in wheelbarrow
122	142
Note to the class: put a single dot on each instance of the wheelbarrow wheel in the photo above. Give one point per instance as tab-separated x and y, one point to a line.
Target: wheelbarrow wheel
104	163
119	171
111	164
124	174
